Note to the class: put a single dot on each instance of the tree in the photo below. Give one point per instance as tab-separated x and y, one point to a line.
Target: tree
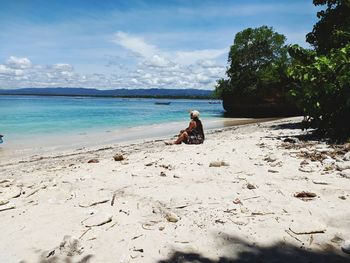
258	62
333	28
322	76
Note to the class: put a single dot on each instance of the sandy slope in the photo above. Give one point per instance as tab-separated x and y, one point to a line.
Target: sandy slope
62	207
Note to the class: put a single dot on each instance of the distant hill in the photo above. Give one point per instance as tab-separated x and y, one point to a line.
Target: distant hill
158	93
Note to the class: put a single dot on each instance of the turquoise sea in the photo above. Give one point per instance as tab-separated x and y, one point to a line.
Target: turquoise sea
27	116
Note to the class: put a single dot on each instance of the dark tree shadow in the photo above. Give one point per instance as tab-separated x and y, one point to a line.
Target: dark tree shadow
243	252
290	126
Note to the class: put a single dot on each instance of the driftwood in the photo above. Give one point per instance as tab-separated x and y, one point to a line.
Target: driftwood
95	203
113	198
309	232
108	220
7	208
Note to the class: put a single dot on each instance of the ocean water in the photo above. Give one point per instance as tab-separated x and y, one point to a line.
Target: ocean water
35	116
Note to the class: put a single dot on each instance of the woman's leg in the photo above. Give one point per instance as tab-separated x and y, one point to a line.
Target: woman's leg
182	137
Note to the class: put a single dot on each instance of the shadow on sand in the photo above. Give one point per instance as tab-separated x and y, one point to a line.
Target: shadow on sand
243	252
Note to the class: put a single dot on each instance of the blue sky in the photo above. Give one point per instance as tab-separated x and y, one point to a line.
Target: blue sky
133	43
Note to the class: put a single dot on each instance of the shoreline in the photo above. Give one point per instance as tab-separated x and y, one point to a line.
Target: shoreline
231	198
25	148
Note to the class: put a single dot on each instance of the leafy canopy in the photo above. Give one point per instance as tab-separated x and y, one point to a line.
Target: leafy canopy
322	76
333	28
257	62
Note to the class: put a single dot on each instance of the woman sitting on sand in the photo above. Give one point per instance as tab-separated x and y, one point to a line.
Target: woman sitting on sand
193	134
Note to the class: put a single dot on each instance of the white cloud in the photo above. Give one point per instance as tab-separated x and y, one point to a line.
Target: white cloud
152	67
189	57
18	63
135	44
181	69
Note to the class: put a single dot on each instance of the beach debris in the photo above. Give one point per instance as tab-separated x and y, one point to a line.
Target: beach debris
320	182
270	159
70	246
161	228
95	203
171	217
167	166
218	164
342	197
149	164
289	233
136	237
118	157
272	171
138	250
240	222
336	239
251	186
262	213
36	190
305	196
124	212
343	166
176	176
237	201
113	198
346	247
163	174
253	197
321	231
97	220
346	157
219	221
291	140
4	202
84	233
345	174
93	161
7	208
306	169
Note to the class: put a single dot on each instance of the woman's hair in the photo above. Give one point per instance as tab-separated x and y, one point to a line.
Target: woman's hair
199	126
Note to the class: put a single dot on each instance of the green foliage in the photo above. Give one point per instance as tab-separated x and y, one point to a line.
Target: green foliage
322	87
333	28
257	66
322	76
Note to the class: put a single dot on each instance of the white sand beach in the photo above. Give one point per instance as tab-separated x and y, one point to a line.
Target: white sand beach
231	199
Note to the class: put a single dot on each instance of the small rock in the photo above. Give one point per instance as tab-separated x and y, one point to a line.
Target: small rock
343	166
251	186
306	169
171	217
162	174
328	161
346	157
118	157
161	228
345	174
93	161
346	247
342	197
270	159
218	164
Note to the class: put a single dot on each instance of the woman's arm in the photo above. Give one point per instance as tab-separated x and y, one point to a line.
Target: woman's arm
191	126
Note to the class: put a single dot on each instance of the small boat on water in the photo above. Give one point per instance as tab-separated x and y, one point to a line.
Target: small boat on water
162	103
214	102
1	141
